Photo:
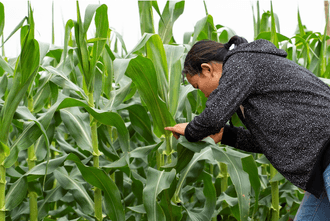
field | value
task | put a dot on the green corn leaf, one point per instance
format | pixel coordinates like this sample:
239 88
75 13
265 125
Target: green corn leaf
258 18
157 181
156 53
143 74
173 55
98 178
155 6
204 29
30 21
105 117
120 66
239 177
82 50
24 35
195 146
25 73
108 71
20 25
41 149
3 85
143 152
97 85
277 177
4 151
68 26
184 157
5 66
40 98
306 50
187 37
138 209
17 193
274 39
255 22
192 171
105 144
32 131
205 7
172 211
52 195
66 147
140 122
102 27
2 18
226 34
249 165
141 44
60 79
146 17
137 188
81 196
77 124
120 38
118 96
184 91
323 59
23 113
171 12
120 163
268 36
277 23
300 25
210 195
265 24
45 168
89 14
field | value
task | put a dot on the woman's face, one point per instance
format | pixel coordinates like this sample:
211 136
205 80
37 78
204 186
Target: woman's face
208 80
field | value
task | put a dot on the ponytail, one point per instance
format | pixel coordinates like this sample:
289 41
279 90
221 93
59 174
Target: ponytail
236 40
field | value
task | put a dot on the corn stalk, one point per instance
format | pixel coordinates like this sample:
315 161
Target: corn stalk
24 74
88 66
31 152
31 163
273 171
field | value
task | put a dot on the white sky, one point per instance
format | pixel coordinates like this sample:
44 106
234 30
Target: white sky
124 17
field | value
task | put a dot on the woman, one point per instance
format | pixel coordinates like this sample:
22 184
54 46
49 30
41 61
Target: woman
285 108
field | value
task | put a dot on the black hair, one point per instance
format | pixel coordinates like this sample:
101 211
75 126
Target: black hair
205 51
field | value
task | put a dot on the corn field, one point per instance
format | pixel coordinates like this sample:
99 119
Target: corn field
82 126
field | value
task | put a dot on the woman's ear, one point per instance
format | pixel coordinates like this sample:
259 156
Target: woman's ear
206 69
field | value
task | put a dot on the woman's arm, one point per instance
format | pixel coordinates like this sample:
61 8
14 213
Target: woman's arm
235 85
240 138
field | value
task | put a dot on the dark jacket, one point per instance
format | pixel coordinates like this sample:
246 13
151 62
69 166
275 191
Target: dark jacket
286 112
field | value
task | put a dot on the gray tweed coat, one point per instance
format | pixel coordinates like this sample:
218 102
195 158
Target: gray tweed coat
286 112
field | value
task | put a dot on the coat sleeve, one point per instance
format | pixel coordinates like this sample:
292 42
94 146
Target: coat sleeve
235 85
240 138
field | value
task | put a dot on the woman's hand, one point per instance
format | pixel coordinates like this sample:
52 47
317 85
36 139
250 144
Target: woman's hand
218 136
177 130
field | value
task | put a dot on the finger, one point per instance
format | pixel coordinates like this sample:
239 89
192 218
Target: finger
174 130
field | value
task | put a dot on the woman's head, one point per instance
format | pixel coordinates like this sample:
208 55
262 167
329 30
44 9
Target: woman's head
205 59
